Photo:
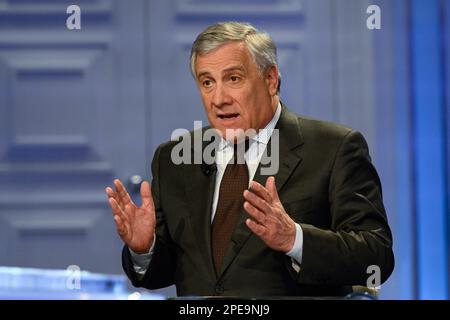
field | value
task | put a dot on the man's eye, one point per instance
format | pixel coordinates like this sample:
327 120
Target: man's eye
234 78
207 83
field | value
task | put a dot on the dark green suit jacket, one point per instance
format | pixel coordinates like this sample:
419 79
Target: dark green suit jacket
326 183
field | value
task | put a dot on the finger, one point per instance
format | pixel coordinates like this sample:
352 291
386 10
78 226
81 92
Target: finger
272 188
146 195
256 214
114 195
258 202
110 193
124 197
258 189
120 226
116 210
117 196
256 228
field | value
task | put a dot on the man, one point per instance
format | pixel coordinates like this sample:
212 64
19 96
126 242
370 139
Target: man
313 228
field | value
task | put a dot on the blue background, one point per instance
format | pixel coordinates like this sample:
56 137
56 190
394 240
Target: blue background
78 108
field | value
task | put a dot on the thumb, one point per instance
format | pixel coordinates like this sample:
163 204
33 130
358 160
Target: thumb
272 188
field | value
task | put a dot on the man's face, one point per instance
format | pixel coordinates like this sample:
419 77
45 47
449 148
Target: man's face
234 93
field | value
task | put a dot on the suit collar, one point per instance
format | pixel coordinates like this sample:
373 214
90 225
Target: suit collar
290 131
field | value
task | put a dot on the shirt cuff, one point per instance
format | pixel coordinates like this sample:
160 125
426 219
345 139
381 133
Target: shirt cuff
297 250
142 261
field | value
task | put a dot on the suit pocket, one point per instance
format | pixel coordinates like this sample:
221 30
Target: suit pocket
299 210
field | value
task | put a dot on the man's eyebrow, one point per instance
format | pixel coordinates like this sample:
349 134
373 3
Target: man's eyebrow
227 70
203 73
234 68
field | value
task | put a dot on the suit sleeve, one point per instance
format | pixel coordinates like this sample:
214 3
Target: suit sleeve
161 270
359 235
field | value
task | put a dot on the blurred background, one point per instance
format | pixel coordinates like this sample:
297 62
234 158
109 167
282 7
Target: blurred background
81 107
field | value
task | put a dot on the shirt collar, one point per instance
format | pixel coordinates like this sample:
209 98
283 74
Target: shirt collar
264 134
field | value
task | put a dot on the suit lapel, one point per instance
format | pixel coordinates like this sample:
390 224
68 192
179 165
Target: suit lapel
290 140
199 187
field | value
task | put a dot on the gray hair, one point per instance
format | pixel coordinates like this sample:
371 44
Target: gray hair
259 44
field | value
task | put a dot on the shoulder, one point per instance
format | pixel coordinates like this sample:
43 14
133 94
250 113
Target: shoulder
323 129
311 126
333 133
325 134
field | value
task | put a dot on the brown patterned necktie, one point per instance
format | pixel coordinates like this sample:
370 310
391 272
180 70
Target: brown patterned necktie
234 182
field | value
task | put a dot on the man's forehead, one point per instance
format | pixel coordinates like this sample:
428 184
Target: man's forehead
223 59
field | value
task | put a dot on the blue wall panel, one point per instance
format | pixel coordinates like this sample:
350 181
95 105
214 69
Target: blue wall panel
430 162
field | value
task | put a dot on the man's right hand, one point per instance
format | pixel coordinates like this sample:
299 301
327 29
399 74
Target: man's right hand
135 225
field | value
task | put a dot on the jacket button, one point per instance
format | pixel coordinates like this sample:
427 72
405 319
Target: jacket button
219 289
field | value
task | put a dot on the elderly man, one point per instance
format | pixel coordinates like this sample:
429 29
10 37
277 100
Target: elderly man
312 228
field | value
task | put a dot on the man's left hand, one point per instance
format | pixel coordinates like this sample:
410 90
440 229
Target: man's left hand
269 220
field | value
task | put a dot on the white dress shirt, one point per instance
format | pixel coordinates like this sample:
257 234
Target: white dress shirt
224 154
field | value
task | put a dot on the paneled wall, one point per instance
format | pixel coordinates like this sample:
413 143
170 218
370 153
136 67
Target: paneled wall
72 118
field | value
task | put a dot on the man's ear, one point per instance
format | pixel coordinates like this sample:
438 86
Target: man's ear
272 79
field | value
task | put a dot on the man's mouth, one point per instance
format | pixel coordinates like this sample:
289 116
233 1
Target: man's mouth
228 116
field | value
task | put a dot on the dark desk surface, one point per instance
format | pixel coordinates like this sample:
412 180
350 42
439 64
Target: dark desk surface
352 296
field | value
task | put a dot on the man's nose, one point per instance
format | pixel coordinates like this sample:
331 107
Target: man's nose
221 96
